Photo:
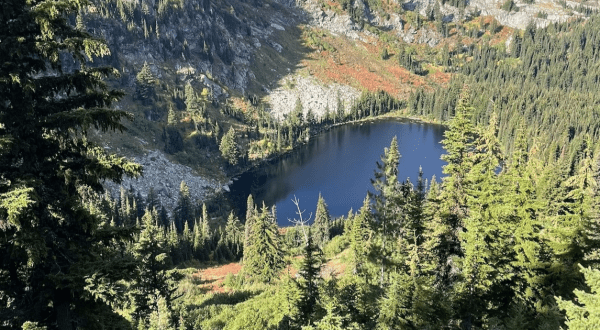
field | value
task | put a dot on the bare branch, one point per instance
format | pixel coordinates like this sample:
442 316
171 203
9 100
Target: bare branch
302 223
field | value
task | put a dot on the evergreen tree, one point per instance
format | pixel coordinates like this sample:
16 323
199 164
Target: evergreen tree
251 213
153 278
458 143
340 109
234 235
145 84
487 240
297 116
152 202
569 231
172 116
585 313
530 260
183 210
309 280
387 203
205 222
415 209
322 223
359 238
161 317
407 302
263 258
186 242
229 147
51 245
198 241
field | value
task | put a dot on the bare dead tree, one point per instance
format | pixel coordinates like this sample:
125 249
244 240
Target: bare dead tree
301 222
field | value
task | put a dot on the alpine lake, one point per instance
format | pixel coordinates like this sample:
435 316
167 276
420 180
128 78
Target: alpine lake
339 164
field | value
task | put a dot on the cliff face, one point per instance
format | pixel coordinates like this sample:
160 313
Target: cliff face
187 37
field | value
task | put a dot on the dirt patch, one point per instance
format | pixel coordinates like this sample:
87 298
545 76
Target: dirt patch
501 36
213 277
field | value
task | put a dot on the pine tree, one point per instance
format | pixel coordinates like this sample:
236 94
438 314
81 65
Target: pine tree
340 109
205 222
530 260
229 147
263 258
309 280
183 210
359 238
172 116
585 313
145 84
569 230
488 237
234 235
153 278
387 203
50 242
161 317
322 223
458 143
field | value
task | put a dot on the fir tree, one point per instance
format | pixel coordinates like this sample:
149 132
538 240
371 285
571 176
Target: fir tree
458 143
161 317
183 210
359 238
145 84
566 227
229 147
487 239
153 279
322 223
205 222
387 202
50 242
585 313
530 259
198 241
309 280
263 258
172 116
249 223
234 235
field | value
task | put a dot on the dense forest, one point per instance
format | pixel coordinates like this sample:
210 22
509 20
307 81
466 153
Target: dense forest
509 239
543 83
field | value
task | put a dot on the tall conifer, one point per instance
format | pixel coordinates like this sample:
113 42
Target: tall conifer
322 223
51 245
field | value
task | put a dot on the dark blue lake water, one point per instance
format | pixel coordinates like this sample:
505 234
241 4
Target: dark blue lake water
339 164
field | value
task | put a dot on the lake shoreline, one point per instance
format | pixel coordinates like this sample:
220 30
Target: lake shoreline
399 115
329 160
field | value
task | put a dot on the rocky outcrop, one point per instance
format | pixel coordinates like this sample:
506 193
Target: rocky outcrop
337 24
311 93
165 178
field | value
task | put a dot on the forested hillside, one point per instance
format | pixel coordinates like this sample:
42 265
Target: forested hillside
544 83
509 238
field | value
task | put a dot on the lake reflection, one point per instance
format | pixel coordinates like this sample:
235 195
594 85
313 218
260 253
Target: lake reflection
339 164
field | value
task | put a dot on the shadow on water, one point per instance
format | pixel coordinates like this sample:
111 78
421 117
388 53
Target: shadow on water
339 165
